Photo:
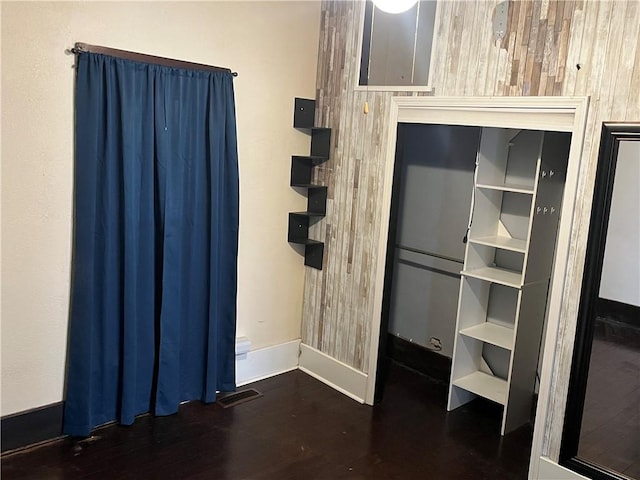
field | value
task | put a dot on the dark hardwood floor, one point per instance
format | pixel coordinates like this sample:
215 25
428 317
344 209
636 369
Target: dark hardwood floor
610 433
299 430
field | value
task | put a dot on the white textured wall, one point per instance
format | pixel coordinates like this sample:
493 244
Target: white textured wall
620 279
273 46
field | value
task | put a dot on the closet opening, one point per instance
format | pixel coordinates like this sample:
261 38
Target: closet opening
472 237
432 187
499 117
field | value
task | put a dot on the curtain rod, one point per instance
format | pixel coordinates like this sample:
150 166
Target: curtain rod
142 57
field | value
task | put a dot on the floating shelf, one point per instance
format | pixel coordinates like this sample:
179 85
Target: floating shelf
485 385
302 177
491 333
306 241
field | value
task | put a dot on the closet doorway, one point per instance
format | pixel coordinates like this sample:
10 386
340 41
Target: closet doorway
548 114
432 191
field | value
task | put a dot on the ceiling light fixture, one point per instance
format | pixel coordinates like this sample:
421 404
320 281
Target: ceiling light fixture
394 6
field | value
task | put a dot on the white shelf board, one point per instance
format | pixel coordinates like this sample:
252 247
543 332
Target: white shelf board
526 189
508 278
486 386
491 333
505 243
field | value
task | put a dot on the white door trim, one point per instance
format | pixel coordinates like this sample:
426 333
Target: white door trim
541 113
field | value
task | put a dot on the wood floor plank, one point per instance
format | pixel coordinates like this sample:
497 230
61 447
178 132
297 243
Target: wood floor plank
299 429
611 419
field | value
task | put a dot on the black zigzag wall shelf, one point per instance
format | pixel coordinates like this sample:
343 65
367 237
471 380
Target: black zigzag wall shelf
301 177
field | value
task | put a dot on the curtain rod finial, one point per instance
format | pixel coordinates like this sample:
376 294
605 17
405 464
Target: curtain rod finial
76 49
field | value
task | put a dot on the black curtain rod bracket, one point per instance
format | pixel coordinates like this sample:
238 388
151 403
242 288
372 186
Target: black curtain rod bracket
80 47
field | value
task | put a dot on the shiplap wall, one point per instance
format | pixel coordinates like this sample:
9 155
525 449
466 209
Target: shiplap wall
545 42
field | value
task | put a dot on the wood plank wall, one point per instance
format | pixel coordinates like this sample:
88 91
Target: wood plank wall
337 301
604 40
545 42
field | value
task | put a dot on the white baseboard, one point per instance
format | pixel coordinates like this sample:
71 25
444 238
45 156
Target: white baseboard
267 362
334 373
549 470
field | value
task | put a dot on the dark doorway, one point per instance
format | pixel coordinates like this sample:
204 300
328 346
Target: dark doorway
432 187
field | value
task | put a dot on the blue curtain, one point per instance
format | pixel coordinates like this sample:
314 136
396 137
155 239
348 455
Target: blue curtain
153 302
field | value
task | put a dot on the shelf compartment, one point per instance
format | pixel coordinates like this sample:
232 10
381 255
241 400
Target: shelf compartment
299 223
480 256
501 214
303 119
491 333
501 276
298 233
485 385
502 242
317 200
304 113
302 169
313 254
482 302
509 159
320 142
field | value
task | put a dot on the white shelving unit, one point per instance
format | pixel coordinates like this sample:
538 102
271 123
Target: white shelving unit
507 267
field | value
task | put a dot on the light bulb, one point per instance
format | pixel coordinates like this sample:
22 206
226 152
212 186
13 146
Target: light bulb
394 6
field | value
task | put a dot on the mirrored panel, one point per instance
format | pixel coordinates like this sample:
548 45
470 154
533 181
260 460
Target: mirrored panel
601 437
397 47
